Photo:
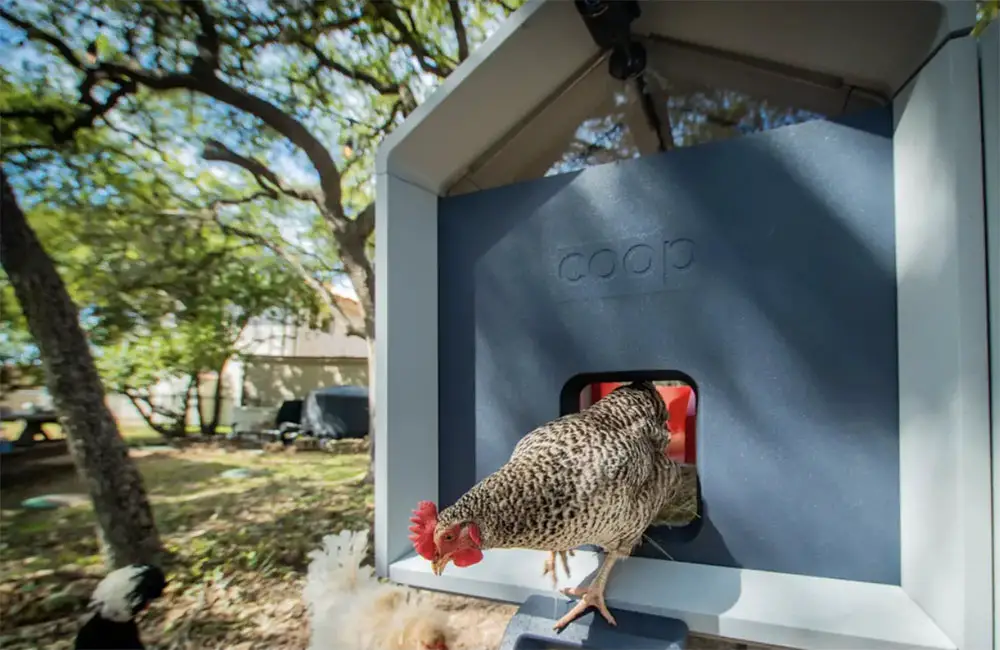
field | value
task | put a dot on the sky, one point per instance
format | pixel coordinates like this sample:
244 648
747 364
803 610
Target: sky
25 62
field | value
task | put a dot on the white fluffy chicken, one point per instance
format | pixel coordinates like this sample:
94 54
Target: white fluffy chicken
349 607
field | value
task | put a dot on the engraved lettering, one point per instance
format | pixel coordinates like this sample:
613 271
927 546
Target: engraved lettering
638 259
636 265
680 253
602 263
571 268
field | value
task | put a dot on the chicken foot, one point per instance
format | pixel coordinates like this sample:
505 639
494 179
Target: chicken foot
590 596
550 565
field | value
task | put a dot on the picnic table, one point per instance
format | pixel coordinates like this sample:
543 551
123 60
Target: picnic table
33 421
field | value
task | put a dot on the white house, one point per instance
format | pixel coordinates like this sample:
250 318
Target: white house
278 361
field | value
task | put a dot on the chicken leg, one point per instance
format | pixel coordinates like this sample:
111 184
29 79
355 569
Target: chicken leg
550 565
591 596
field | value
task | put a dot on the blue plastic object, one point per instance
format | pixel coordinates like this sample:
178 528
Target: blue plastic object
41 503
531 629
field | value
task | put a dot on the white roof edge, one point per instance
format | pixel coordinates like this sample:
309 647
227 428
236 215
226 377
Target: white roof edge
475 106
957 16
397 138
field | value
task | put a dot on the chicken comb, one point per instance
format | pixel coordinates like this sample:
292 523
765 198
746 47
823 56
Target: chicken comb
424 522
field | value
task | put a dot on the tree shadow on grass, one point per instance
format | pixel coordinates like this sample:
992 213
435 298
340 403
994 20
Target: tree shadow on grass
171 475
265 521
270 528
251 534
163 474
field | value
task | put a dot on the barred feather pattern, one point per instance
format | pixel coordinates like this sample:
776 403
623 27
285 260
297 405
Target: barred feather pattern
598 477
348 607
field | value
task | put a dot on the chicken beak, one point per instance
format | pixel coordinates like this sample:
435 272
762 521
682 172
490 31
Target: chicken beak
438 565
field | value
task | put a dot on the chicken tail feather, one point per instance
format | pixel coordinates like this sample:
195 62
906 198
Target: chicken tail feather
336 585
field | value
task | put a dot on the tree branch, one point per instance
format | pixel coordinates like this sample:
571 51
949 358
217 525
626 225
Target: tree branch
460 34
149 411
286 34
292 129
96 110
92 77
103 70
208 39
117 128
381 87
38 34
283 251
353 329
390 13
170 81
215 151
393 111
364 224
243 200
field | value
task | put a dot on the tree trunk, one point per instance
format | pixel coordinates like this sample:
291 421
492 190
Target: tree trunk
370 476
213 425
126 529
145 408
362 275
180 422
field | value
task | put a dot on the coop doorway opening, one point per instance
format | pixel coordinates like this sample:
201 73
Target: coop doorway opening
680 519
677 389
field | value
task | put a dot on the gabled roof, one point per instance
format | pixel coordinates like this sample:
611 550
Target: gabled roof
504 101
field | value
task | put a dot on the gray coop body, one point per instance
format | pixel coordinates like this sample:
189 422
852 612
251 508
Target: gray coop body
828 288
779 302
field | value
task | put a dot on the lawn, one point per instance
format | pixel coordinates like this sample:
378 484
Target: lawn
238 548
135 435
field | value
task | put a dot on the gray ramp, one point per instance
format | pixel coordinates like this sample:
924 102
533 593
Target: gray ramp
531 629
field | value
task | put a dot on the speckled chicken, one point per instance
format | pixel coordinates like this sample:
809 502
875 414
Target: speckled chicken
598 477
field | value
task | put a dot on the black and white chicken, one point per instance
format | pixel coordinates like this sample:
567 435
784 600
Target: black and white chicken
116 601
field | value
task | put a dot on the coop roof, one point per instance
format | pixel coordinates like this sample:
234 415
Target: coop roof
501 116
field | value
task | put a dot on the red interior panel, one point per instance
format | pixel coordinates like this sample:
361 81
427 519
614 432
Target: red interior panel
681 405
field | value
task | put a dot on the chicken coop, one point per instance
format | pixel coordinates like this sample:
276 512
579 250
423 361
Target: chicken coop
788 207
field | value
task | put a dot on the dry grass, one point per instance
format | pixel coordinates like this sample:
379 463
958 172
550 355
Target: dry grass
238 554
682 506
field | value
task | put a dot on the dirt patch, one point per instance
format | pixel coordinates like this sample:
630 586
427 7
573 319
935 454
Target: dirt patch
480 625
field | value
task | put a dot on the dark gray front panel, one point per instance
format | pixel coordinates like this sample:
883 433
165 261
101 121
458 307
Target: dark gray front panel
764 268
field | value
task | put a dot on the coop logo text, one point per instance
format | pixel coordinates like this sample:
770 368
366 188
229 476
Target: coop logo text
636 260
